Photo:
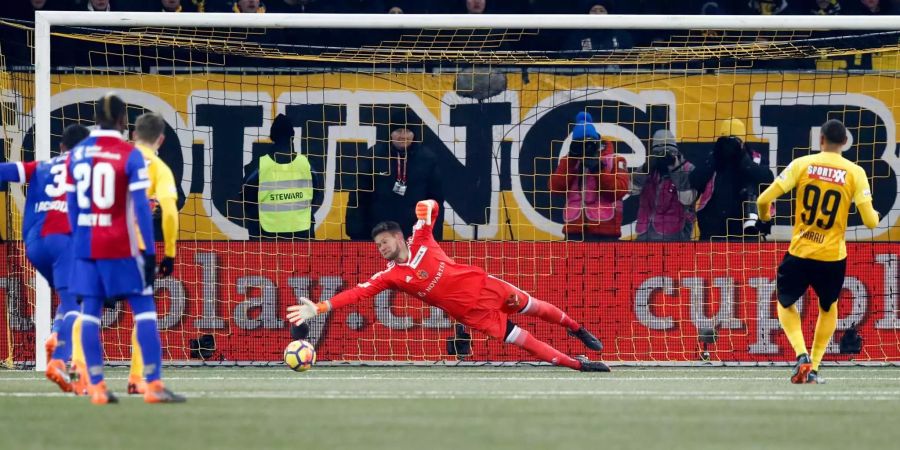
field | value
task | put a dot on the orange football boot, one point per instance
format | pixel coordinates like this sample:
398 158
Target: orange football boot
157 393
57 373
102 396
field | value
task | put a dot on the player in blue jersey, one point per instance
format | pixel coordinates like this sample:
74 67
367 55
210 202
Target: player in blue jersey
107 183
46 233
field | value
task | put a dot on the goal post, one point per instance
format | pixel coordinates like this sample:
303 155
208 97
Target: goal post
518 236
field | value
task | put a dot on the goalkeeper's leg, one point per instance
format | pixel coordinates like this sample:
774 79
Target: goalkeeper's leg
546 353
520 302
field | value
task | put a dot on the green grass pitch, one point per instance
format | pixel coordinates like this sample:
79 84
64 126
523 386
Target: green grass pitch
466 408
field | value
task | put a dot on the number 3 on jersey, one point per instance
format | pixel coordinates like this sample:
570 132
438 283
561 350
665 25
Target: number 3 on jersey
815 202
58 187
101 180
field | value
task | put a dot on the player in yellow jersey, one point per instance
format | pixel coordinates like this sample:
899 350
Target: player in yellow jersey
148 137
826 183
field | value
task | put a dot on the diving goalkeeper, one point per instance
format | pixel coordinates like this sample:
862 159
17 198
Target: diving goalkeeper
420 268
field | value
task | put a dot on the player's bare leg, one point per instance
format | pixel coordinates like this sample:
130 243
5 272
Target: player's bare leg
547 353
551 314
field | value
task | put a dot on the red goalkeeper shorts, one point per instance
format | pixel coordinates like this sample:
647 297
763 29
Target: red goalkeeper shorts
496 301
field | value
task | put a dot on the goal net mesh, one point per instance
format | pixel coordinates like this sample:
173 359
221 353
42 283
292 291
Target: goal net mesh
491 113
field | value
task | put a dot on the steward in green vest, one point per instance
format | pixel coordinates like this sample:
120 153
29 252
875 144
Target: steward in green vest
285 195
281 191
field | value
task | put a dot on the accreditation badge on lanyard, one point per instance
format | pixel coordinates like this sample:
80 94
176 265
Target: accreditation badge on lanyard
400 184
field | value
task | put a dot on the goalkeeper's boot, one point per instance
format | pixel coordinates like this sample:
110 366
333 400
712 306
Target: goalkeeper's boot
814 378
102 396
801 369
80 379
591 366
136 385
50 345
588 339
157 393
57 373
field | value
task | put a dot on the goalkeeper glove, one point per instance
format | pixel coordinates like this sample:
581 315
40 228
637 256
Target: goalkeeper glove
424 209
306 310
167 266
149 268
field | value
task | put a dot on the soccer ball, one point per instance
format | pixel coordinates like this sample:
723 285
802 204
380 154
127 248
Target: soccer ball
300 355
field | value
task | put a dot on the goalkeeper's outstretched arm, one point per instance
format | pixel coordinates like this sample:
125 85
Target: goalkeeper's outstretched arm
306 310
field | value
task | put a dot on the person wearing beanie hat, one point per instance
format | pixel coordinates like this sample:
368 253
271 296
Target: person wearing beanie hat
729 181
666 205
594 181
281 191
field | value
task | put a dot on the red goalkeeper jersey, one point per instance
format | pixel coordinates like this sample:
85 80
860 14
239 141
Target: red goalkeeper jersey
429 274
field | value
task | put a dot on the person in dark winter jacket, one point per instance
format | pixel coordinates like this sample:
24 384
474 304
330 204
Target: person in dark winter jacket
666 204
729 181
400 173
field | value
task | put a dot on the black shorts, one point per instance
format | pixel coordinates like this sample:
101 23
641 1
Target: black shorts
795 275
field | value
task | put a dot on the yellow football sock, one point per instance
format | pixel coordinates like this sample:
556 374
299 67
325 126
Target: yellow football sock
790 322
77 350
137 362
825 326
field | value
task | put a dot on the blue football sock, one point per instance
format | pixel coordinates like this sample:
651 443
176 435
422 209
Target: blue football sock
90 337
69 309
144 310
57 319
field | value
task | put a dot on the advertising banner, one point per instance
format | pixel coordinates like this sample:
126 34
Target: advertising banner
647 302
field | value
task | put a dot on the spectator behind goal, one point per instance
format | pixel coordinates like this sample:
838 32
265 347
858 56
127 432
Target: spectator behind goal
399 174
594 181
666 204
729 180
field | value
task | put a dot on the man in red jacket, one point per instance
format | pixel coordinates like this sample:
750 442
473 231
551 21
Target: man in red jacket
594 180
466 293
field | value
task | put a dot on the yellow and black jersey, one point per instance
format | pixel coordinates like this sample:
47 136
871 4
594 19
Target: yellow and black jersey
826 183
